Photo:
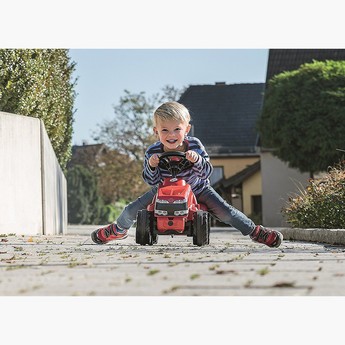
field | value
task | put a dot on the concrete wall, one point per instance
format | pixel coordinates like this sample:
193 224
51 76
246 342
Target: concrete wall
278 183
54 196
33 192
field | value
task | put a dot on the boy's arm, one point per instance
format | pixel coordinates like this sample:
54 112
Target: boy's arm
150 175
202 167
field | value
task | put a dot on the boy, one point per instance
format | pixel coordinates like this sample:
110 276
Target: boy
171 126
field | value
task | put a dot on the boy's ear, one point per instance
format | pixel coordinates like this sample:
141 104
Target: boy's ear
155 130
188 128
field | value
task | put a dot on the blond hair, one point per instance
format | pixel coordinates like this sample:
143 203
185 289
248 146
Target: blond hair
171 111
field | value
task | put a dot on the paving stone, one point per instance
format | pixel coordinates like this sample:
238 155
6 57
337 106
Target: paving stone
232 265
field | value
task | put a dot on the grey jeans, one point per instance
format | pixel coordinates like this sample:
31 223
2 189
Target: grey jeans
215 204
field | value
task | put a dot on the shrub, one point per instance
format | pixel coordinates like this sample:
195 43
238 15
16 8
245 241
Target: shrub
321 204
110 212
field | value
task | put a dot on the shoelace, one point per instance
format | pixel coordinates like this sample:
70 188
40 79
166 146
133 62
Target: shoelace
263 234
108 230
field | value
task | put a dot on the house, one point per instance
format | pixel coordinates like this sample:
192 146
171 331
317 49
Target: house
278 180
87 154
280 60
224 118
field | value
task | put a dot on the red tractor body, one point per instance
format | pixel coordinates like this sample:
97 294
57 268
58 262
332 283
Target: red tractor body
173 206
174 211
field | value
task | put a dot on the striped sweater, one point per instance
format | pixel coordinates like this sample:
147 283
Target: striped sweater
197 176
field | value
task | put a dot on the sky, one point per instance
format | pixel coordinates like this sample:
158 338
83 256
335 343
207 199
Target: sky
103 75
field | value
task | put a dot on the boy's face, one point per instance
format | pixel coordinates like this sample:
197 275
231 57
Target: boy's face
171 133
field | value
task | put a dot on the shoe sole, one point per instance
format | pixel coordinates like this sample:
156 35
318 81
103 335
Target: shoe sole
95 238
280 236
121 238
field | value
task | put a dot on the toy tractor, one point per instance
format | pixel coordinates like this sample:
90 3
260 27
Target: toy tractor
174 209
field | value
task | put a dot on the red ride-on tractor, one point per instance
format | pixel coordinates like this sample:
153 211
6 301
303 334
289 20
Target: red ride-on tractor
174 209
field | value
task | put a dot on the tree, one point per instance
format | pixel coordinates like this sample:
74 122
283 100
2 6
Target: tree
128 135
119 177
102 179
303 115
130 131
84 203
38 83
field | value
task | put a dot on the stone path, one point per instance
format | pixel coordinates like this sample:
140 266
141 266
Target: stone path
232 265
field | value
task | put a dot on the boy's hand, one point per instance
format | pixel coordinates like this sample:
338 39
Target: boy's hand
192 156
154 160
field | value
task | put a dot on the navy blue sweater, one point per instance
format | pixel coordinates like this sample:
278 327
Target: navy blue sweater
197 176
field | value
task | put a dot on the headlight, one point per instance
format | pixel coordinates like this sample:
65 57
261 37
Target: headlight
161 213
162 201
181 213
180 201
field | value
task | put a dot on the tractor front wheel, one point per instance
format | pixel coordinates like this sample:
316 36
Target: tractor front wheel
143 233
201 228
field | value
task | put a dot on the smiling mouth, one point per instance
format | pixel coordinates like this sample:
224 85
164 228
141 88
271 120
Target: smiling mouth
172 141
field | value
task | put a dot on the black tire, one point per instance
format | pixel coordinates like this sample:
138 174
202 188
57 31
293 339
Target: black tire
201 228
154 230
209 227
143 233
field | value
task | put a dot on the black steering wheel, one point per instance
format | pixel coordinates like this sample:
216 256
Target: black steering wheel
174 166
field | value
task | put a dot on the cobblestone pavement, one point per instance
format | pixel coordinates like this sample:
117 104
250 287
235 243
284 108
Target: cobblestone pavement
232 265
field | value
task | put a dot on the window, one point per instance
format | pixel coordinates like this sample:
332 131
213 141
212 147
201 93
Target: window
256 204
217 175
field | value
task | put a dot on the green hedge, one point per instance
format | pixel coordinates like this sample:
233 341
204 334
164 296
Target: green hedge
302 118
38 83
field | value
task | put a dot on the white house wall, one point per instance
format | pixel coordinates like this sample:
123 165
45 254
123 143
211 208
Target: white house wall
278 183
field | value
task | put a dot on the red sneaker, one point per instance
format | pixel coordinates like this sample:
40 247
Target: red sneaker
271 238
108 233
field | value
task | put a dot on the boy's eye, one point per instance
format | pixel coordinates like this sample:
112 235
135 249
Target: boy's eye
176 129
